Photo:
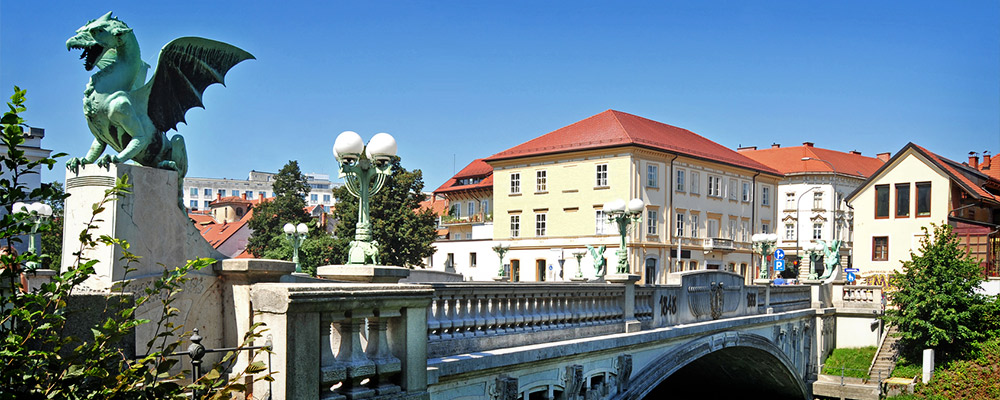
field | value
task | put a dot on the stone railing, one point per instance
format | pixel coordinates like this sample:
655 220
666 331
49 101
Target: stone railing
467 317
321 347
789 297
857 296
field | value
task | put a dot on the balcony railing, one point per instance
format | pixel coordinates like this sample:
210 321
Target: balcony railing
719 244
448 220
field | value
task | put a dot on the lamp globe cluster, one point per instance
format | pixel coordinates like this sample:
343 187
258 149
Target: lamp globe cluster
41 209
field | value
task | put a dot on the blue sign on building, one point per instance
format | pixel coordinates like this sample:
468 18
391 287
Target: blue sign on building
779 265
779 254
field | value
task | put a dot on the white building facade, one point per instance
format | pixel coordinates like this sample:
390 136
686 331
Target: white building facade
199 192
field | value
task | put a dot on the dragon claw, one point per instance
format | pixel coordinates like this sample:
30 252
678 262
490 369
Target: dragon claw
73 164
106 160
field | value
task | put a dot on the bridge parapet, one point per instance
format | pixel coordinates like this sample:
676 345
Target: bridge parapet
857 296
314 319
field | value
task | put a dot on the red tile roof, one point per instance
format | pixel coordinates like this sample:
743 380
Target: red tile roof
992 168
476 169
788 160
953 169
437 206
615 128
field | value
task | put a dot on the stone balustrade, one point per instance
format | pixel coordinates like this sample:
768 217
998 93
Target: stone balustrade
857 296
324 355
475 316
789 297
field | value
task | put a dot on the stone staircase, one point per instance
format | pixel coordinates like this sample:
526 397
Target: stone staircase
885 358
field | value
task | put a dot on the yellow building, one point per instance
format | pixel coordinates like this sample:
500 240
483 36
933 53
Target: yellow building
912 190
703 200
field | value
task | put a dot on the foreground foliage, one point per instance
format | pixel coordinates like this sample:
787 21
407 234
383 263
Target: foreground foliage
39 358
936 298
975 378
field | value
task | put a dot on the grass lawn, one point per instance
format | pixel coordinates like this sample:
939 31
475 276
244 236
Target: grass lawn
853 362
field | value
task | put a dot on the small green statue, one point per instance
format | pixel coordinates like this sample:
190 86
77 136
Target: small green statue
831 258
599 261
131 115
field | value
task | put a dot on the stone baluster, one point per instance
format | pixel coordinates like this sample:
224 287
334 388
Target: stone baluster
331 372
462 322
481 313
433 320
536 303
351 356
502 312
387 366
517 311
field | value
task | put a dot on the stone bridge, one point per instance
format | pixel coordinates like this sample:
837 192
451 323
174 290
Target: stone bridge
711 334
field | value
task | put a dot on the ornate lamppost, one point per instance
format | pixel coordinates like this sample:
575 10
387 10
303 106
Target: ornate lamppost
579 265
296 234
364 169
762 244
38 213
623 215
812 249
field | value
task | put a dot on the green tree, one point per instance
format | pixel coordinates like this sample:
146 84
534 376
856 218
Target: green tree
935 297
52 238
404 234
288 206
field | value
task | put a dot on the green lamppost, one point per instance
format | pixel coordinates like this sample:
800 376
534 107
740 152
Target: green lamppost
762 244
296 234
38 213
364 169
812 249
579 266
623 215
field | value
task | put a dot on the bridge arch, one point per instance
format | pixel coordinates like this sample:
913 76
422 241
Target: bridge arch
726 361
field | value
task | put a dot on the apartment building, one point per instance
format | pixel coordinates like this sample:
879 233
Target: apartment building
811 196
199 192
703 201
915 188
466 248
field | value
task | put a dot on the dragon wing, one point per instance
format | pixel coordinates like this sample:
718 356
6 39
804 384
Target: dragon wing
186 67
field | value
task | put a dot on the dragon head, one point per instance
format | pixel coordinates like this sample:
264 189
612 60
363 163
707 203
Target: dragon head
98 39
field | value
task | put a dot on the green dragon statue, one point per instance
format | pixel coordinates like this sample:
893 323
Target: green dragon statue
131 115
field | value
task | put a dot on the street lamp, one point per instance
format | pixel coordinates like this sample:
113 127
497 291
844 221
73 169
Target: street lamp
296 234
623 214
579 266
364 169
798 224
38 213
813 248
763 243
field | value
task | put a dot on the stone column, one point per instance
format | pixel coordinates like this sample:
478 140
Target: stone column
631 323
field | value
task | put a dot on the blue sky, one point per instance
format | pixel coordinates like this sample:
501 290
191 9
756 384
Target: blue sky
455 81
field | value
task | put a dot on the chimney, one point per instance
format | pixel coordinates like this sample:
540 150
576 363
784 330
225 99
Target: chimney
974 160
855 152
244 195
218 195
986 161
883 156
808 144
775 146
746 148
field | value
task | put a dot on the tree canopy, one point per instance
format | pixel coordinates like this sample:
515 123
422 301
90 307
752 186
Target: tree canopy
935 297
288 206
404 233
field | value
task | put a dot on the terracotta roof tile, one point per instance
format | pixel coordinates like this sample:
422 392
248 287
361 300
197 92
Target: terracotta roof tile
476 169
615 128
953 169
437 206
788 160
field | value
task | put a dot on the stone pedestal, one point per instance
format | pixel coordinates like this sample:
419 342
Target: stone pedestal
820 293
363 273
631 323
148 218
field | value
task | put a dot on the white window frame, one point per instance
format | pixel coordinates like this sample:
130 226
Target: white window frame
471 208
540 224
602 224
652 221
695 182
714 186
601 175
694 226
194 192
515 226
713 228
515 183
541 181
765 195
790 201
765 228
790 231
733 187
817 231
679 181
732 229
679 224
652 175
746 191
817 200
